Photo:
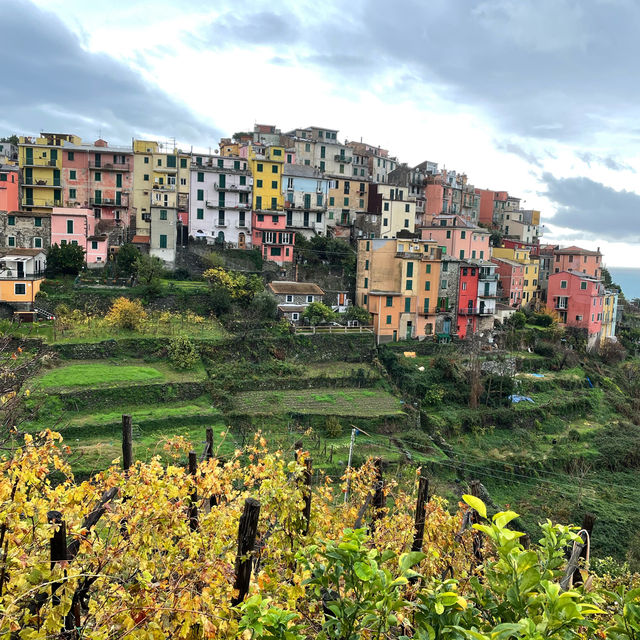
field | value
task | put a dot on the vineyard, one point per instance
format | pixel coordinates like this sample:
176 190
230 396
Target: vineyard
243 544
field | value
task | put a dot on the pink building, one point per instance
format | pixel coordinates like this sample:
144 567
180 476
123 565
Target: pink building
576 259
578 299
99 177
270 235
71 225
511 280
458 237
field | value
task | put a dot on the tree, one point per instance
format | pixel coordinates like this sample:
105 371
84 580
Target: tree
126 314
317 312
237 285
358 313
518 320
65 260
264 306
495 240
12 139
182 353
148 269
126 258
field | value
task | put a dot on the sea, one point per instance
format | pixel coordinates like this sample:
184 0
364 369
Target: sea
628 278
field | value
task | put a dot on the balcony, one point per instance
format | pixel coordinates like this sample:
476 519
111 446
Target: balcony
110 166
40 162
468 311
212 204
165 169
34 202
490 277
12 274
426 312
30 182
109 202
164 187
345 159
232 187
486 311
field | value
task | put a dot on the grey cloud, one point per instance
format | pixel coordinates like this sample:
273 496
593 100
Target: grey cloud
590 206
52 83
608 161
517 150
532 66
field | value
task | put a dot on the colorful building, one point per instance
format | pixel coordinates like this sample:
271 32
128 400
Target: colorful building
40 159
347 198
397 282
21 274
72 225
579 301
268 222
306 195
220 200
522 254
576 259
511 280
394 208
9 187
8 153
99 177
458 237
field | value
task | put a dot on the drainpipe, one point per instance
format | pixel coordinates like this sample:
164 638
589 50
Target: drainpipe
378 333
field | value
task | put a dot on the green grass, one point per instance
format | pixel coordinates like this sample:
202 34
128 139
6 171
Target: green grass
347 402
86 375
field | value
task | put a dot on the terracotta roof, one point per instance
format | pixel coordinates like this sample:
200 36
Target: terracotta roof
573 250
141 239
300 288
291 308
30 214
16 251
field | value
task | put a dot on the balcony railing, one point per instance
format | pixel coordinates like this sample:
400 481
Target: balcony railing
232 187
40 162
110 166
426 312
164 187
109 202
468 311
30 182
489 277
12 274
486 311
345 159
34 202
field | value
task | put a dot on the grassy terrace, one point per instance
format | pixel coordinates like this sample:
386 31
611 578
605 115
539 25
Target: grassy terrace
344 402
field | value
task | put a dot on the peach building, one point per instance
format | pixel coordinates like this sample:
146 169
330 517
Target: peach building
577 259
458 238
9 188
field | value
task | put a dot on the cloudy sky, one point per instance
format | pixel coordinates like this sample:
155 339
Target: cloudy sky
537 97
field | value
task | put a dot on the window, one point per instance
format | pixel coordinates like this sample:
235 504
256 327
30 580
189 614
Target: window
366 283
388 319
332 201
259 184
409 285
563 284
385 222
200 214
37 243
346 202
464 286
463 235
11 241
274 168
318 199
389 301
409 269
159 162
386 206
37 222
322 165
163 214
221 218
72 194
274 184
259 167
579 318
146 160
69 226
276 251
20 288
583 285
364 299
427 286
443 284
295 316
72 174
307 147
341 168
289 298
94 245
163 241
260 217
183 163
200 176
406 223
274 203
70 155
146 177
11 220
406 208
461 254
97 176
448 234
426 307
309 298
200 195
289 158
407 305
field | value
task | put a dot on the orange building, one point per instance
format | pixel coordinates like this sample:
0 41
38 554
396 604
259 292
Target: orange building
397 282
9 188
21 274
576 259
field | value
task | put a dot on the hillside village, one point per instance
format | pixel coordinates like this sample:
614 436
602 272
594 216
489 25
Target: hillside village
437 257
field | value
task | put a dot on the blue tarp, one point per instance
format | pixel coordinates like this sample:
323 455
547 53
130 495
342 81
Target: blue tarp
516 398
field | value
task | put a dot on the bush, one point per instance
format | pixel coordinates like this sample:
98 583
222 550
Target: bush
126 314
518 320
333 427
220 301
126 258
545 350
318 312
182 353
541 320
612 352
66 260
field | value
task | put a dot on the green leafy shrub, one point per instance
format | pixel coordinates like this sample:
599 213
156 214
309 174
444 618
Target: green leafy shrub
333 427
182 353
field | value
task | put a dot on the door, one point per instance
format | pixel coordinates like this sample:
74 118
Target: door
20 269
241 241
409 330
446 326
222 181
56 177
395 336
29 156
486 288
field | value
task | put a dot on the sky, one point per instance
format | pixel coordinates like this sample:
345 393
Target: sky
535 97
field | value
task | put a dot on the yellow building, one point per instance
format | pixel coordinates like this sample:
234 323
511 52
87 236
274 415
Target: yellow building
397 282
265 164
160 183
40 159
609 315
531 279
347 197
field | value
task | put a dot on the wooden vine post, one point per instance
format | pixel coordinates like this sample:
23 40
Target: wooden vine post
378 491
306 510
58 553
193 497
421 508
587 525
247 532
127 442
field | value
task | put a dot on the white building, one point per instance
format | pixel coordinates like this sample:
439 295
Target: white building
220 202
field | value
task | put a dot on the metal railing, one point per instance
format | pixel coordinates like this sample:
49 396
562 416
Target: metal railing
468 311
12 274
332 329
